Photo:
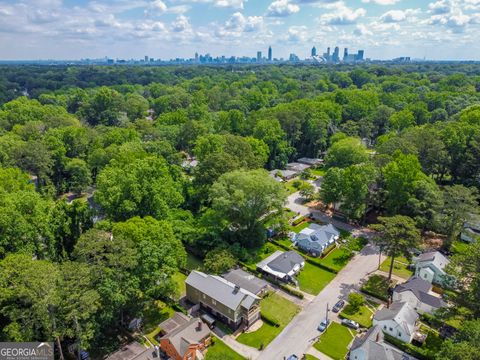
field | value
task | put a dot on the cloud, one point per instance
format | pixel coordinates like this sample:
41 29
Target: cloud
362 30
238 24
281 8
180 24
440 7
236 4
381 2
341 14
394 16
297 34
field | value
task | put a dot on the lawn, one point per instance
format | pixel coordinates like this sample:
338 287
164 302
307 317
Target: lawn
363 316
194 262
337 259
179 278
334 342
290 185
310 357
318 172
460 247
400 267
313 279
218 350
276 308
300 226
377 286
355 243
259 254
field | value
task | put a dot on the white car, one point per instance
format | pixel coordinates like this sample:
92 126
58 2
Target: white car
350 323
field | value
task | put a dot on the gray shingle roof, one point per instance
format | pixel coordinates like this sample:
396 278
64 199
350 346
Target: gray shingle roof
283 262
245 280
192 332
376 349
221 290
316 237
420 288
435 257
401 313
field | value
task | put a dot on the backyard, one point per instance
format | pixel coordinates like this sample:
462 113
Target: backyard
277 309
334 342
218 350
337 259
400 267
153 314
313 279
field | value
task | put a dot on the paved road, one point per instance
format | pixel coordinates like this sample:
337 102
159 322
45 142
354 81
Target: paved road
301 333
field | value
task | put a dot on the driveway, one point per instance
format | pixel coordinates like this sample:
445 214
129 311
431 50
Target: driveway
301 333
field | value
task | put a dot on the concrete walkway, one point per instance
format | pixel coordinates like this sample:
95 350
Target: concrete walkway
319 355
244 350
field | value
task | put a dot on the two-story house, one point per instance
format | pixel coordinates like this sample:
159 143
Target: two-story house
417 292
228 302
316 238
430 266
398 321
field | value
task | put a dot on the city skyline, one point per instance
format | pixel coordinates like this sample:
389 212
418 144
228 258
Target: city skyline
386 29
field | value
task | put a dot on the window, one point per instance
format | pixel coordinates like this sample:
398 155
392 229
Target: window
214 302
384 327
399 334
391 329
204 296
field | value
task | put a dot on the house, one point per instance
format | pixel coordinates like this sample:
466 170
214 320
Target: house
417 293
283 175
247 281
316 238
398 321
371 346
187 341
471 229
430 266
130 351
223 299
310 161
297 167
282 265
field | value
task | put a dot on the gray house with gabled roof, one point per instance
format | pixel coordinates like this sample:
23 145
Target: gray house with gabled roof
316 238
371 346
417 292
399 321
247 281
282 265
226 301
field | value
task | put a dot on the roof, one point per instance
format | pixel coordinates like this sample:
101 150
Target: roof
376 349
317 237
221 290
434 257
169 325
245 280
282 262
296 166
310 161
192 332
420 288
401 313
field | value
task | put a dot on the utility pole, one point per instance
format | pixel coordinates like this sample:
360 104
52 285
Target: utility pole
326 315
77 329
54 327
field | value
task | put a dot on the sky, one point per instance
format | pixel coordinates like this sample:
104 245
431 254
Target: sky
74 29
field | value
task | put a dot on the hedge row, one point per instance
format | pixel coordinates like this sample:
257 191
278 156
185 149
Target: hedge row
269 320
371 293
413 350
291 291
299 220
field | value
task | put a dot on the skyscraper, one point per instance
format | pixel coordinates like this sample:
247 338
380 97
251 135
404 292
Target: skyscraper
359 56
314 51
336 55
270 54
259 56
345 54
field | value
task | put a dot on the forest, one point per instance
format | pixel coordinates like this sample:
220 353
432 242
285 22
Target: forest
91 154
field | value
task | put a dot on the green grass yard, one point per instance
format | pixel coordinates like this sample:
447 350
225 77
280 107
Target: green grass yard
194 262
337 259
153 314
219 350
363 316
334 342
179 279
274 307
400 267
300 226
313 279
318 172
377 286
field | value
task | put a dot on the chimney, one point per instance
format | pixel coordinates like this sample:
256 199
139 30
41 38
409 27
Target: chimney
377 339
199 326
236 289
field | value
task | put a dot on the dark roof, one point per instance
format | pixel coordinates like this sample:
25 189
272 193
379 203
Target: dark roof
420 289
192 332
177 320
285 261
245 280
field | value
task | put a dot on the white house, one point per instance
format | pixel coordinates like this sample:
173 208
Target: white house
398 321
430 266
371 346
471 229
316 238
282 265
417 293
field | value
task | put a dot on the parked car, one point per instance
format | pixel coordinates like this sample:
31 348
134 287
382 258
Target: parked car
350 323
292 357
323 325
338 306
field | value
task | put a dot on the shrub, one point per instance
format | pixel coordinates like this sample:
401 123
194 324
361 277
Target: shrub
292 291
269 320
299 220
219 260
356 300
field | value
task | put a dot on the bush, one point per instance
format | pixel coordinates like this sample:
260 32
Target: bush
299 220
292 291
328 250
356 300
269 320
413 350
219 260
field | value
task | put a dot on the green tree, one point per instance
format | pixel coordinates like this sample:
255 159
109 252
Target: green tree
140 187
465 345
78 175
346 152
459 204
396 235
307 190
355 301
243 200
219 261
332 186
